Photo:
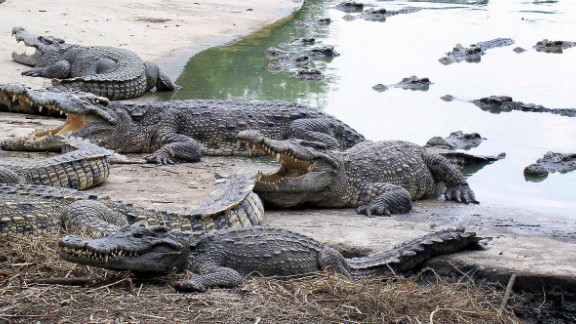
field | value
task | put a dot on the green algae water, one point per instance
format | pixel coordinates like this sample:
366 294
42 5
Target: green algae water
386 51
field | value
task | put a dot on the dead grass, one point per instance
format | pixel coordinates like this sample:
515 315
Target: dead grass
36 287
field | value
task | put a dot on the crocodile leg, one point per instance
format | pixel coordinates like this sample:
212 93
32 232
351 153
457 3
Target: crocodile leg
442 170
314 130
384 199
58 70
212 277
9 176
176 148
328 258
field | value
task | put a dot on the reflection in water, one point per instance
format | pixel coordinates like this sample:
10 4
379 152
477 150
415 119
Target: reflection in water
376 52
239 71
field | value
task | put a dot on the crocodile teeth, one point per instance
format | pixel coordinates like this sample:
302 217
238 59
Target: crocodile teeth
106 258
277 157
40 108
238 144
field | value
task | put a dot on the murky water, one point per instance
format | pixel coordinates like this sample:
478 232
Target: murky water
374 52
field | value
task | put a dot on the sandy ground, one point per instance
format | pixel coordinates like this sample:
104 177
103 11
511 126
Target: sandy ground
538 248
163 31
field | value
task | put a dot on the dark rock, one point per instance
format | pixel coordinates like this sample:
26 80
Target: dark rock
380 87
519 50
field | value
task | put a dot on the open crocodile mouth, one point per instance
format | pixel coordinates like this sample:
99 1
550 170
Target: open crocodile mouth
291 168
73 124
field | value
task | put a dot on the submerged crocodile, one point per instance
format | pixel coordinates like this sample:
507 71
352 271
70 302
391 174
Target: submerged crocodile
473 53
456 140
548 46
551 162
36 209
175 131
380 14
223 258
110 72
409 83
379 178
498 104
84 167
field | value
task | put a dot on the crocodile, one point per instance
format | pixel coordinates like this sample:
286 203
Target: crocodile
110 72
551 162
37 209
81 166
409 83
498 104
547 46
350 6
380 14
285 60
224 257
456 140
175 131
473 53
378 178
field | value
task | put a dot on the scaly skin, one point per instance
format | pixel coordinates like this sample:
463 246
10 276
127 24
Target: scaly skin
379 178
106 71
176 131
34 210
85 167
223 258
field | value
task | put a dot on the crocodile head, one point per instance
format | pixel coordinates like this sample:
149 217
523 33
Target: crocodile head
307 173
48 49
139 247
81 109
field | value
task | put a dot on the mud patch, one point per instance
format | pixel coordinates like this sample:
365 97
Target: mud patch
153 20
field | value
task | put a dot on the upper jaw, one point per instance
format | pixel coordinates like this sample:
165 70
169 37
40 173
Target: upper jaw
96 252
62 102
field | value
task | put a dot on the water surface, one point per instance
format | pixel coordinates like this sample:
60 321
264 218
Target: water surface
384 52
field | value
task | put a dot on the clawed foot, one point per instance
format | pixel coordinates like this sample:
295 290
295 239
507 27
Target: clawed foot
462 194
159 158
32 73
385 206
189 285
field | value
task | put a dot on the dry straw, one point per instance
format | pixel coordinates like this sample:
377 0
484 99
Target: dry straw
36 286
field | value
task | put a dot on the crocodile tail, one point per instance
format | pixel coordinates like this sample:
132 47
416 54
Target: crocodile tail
412 254
100 85
156 78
